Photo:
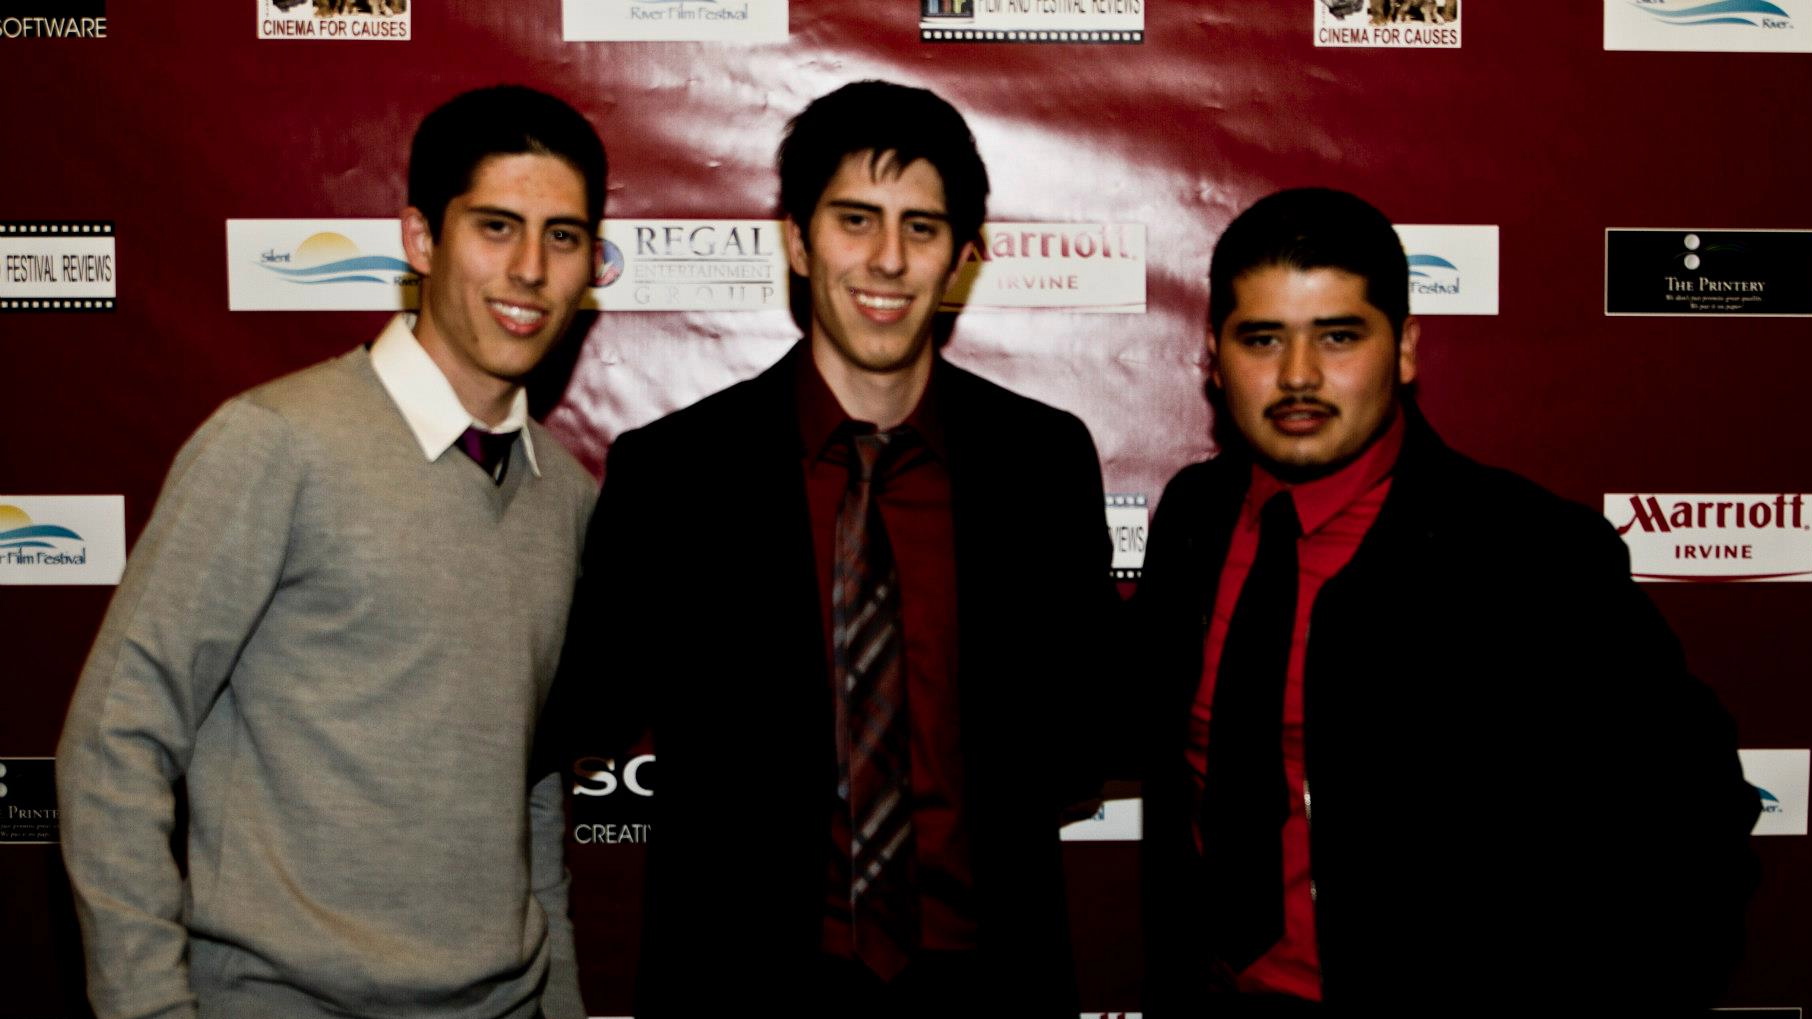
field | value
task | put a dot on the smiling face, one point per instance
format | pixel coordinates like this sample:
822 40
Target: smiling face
879 255
1309 368
500 286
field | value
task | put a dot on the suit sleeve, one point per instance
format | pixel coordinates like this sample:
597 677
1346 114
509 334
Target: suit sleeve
1092 631
193 592
598 706
1686 885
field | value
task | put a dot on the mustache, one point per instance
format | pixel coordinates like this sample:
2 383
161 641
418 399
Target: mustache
1293 403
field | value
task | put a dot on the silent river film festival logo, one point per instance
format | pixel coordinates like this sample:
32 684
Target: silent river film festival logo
1752 13
329 257
24 542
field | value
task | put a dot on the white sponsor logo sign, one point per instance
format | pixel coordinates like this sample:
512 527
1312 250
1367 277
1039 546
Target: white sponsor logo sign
1115 821
1781 778
1395 24
1714 537
1063 21
741 21
318 265
62 539
1074 266
344 20
648 265
1127 520
692 265
56 266
1452 269
1729 26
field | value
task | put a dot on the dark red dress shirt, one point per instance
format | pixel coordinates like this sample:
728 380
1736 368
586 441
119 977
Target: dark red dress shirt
914 497
1336 512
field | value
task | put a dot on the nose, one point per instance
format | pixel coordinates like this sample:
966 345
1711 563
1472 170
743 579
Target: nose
1299 369
528 265
888 258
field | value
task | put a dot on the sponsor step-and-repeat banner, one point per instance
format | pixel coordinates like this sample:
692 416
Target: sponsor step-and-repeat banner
1608 235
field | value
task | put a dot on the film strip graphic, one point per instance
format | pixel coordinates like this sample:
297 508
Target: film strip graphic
57 265
1127 520
1032 35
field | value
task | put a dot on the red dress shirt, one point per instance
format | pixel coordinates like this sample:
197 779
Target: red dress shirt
1336 512
914 498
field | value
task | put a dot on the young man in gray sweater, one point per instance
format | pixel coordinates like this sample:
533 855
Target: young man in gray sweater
337 632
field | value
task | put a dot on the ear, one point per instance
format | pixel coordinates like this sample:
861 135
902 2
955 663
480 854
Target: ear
418 240
963 254
1406 350
1214 360
798 252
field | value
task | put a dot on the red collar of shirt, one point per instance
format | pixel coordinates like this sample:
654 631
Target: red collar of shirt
820 415
1321 500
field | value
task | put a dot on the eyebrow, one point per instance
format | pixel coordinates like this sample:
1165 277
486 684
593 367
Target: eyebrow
854 206
497 212
1271 326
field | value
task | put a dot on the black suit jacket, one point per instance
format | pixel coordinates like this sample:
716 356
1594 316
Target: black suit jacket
1521 801
698 618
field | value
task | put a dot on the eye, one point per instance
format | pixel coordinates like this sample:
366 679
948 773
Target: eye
565 238
1258 341
496 227
924 229
853 220
1343 337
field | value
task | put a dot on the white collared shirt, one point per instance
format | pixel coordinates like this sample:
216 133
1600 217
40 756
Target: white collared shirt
426 398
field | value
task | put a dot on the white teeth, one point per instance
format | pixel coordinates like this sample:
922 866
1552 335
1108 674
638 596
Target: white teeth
520 315
880 303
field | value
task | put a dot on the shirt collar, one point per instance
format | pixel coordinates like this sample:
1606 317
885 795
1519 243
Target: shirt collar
820 415
1320 501
426 398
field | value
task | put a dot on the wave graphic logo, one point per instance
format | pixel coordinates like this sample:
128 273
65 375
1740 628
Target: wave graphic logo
329 257
18 532
1771 804
1432 274
1752 13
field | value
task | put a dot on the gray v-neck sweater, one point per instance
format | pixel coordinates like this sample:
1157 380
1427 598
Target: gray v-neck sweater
342 649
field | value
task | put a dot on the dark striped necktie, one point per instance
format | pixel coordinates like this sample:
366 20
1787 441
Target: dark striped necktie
874 737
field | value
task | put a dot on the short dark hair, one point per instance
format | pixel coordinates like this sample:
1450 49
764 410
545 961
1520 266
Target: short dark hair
882 117
503 120
1312 228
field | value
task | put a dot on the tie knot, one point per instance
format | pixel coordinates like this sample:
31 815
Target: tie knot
1279 517
872 453
488 450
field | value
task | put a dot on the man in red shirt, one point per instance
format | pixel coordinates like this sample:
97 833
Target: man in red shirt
860 643
1392 688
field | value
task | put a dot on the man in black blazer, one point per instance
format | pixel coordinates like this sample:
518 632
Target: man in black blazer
1419 746
726 635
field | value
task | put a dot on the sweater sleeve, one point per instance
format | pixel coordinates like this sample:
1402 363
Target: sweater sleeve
193 592
548 875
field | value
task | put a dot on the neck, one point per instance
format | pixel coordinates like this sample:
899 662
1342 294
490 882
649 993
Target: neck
487 398
884 398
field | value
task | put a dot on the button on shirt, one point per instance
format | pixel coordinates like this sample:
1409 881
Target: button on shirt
1336 512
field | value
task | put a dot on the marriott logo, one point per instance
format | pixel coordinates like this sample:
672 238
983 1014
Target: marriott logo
1652 515
1714 537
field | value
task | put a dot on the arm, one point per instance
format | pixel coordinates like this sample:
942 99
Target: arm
196 586
547 874
1092 629
1687 882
